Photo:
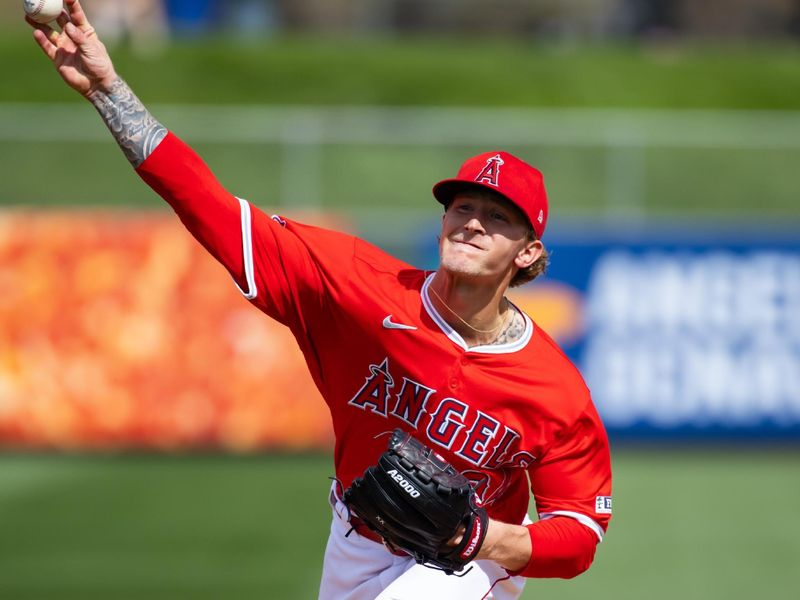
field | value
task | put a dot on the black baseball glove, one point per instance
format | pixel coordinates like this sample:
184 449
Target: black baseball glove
417 502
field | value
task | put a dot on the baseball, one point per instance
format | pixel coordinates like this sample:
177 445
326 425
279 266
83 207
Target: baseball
43 11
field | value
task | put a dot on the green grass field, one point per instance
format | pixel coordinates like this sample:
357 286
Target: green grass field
691 524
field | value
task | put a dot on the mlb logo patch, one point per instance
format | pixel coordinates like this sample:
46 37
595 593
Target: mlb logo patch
602 505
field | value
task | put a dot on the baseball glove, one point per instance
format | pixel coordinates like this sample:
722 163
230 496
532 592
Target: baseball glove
416 501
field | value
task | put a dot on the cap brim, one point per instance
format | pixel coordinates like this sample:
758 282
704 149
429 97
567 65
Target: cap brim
447 188
445 191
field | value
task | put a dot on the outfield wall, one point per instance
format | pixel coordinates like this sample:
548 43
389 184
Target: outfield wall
118 330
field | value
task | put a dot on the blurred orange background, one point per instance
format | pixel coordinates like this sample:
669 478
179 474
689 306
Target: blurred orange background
117 330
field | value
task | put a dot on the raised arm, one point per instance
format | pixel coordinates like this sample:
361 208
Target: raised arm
268 264
208 211
83 63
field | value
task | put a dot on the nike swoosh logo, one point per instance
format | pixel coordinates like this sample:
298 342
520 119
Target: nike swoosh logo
389 324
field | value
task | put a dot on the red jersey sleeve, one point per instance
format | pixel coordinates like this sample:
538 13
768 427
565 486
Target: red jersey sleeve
206 208
572 489
270 264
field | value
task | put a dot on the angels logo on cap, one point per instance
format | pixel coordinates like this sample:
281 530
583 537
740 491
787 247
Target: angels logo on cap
504 173
491 171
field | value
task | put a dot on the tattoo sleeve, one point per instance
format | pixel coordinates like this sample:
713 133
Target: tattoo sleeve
131 124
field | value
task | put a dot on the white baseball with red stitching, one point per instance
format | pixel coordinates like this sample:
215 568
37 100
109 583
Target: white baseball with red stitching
43 11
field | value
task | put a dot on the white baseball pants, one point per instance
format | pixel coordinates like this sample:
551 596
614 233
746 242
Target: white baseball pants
356 568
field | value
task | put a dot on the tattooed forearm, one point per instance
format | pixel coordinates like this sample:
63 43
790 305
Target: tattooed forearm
513 331
132 125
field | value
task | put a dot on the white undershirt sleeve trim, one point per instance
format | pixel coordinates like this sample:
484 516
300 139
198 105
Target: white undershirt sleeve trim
247 251
581 518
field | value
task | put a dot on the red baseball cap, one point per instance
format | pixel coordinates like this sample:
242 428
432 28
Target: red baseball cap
505 174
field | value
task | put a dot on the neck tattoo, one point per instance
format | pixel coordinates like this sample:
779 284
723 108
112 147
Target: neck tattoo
457 316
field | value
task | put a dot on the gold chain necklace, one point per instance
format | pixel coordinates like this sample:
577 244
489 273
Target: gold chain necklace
457 316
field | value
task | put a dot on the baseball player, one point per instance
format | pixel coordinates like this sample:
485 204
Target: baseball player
442 354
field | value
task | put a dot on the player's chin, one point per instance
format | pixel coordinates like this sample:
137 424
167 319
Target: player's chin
462 266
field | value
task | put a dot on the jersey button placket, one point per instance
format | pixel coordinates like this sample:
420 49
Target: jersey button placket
457 372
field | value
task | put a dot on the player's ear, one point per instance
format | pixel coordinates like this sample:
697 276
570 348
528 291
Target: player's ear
528 254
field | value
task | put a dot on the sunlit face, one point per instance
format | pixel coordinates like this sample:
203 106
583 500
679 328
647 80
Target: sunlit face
485 236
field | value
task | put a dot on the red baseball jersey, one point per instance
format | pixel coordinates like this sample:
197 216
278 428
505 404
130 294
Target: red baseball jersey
513 418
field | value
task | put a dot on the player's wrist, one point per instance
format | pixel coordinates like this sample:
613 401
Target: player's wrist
507 545
105 87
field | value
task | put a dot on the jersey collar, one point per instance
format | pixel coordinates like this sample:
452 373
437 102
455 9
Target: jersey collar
456 338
